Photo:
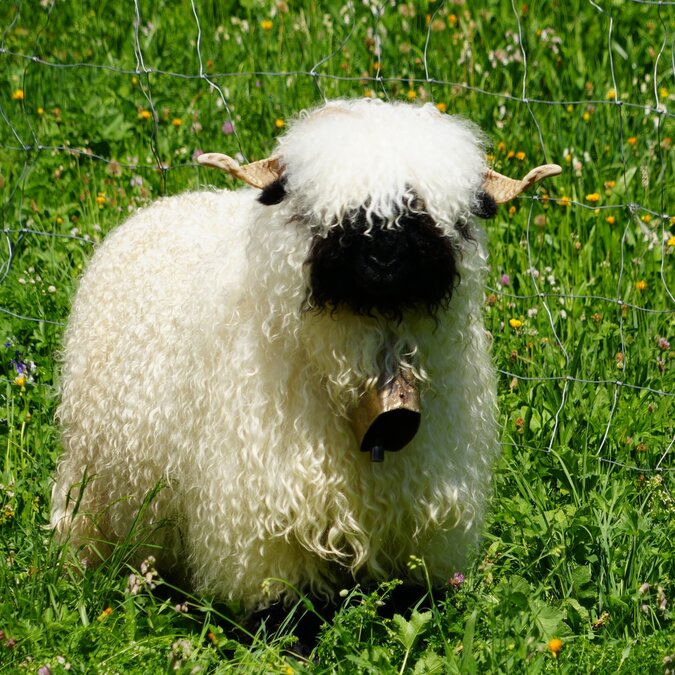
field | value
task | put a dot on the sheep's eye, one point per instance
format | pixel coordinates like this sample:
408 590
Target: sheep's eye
274 192
484 206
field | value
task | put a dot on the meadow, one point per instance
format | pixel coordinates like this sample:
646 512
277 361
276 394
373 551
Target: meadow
105 106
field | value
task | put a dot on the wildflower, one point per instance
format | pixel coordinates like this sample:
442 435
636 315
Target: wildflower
442 107
564 201
594 197
671 242
144 114
456 581
512 210
18 95
515 323
611 95
228 128
520 156
611 220
511 154
266 24
610 184
632 140
101 198
288 671
105 614
586 116
20 381
554 646
279 123
663 344
176 121
412 94
452 19
646 218
663 92
40 111
212 636
505 280
134 80
641 285
44 670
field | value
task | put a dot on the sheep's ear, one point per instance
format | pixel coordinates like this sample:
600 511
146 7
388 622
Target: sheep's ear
503 189
257 174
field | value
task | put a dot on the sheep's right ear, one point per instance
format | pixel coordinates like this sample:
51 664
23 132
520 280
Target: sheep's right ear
257 174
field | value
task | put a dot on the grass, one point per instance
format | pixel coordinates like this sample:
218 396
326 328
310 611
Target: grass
97 118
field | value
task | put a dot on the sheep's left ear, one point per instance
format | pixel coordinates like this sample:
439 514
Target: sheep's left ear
257 174
503 189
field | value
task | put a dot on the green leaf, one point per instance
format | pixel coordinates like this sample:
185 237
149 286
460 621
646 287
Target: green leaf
408 631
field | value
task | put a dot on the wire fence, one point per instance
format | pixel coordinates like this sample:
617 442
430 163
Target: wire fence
645 191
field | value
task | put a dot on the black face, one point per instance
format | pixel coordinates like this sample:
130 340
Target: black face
375 267
368 268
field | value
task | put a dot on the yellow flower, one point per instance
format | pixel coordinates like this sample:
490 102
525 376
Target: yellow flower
176 121
611 94
512 210
632 140
511 154
18 95
279 123
554 646
515 323
101 198
501 146
641 285
105 614
40 111
564 201
570 108
593 197
520 156
663 92
412 94
671 241
646 218
266 24
134 80
586 116
144 114
59 220
20 381
442 107
452 19
611 220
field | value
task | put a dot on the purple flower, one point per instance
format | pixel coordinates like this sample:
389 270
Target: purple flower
227 128
44 670
197 153
663 343
456 581
505 280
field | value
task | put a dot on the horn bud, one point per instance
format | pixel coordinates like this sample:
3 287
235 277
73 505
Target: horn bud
387 415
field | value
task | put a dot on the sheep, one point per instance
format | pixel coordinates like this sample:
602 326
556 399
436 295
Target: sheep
300 365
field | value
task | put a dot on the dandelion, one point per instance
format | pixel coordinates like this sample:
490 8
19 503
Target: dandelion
611 95
452 19
520 156
20 381
632 141
176 121
554 646
412 94
144 114
134 80
512 210
586 116
101 199
564 201
641 285
515 323
663 92
671 242
646 218
18 95
267 24
594 197
40 111
611 220
511 154
279 123
442 107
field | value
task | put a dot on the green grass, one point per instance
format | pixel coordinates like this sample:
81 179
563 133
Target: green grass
579 545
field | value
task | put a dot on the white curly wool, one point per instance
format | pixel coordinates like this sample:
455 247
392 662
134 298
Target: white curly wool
189 362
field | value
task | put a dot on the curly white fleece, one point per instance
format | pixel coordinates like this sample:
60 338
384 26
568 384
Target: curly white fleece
188 361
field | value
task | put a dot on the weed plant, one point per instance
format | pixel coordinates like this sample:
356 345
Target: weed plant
105 106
